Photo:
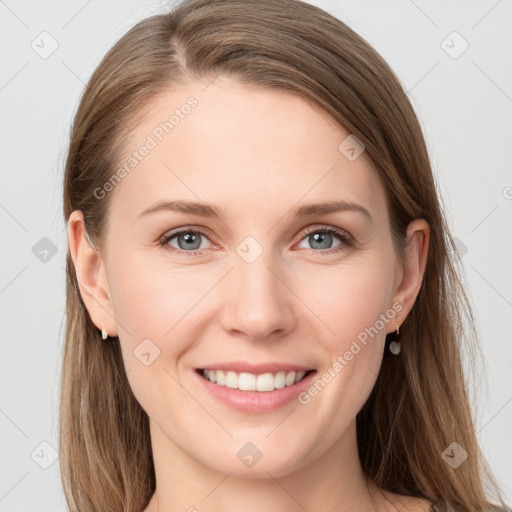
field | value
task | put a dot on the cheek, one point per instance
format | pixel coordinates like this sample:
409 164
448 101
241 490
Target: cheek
154 310
348 298
151 298
355 298
155 299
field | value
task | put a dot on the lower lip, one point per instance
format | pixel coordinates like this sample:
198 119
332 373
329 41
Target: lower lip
256 401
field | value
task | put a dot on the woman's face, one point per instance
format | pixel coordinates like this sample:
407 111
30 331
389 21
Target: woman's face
258 287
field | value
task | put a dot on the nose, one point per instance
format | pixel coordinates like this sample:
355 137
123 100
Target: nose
259 303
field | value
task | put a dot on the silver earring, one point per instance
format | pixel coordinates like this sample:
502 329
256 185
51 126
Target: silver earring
396 346
104 334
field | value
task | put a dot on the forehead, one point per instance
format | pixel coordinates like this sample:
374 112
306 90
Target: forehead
244 148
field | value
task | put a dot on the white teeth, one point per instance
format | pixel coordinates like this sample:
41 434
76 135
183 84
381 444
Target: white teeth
299 375
247 382
265 382
290 378
231 380
220 378
279 380
251 382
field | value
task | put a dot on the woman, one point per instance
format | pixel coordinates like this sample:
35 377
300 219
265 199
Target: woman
264 310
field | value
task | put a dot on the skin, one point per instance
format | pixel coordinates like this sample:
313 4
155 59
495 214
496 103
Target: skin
257 154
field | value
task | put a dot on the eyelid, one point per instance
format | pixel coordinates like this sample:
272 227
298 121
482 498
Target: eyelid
346 238
186 229
327 227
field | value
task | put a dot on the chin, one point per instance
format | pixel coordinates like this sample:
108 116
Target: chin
255 459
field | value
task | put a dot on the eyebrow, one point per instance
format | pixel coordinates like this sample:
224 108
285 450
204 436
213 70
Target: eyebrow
209 210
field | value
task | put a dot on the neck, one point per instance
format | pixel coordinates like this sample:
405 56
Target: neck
332 482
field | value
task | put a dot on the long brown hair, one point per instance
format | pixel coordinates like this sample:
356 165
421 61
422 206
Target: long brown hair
420 402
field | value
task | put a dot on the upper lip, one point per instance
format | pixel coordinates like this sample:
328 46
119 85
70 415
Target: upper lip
257 369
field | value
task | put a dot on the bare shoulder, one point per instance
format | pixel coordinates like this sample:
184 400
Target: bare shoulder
401 503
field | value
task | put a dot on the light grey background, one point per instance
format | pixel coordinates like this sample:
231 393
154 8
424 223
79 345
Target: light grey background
464 104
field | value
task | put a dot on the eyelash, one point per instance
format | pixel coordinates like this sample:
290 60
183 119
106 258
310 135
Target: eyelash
345 238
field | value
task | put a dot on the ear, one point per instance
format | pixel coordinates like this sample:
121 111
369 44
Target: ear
418 236
91 275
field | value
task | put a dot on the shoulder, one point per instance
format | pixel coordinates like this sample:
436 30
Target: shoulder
444 507
412 504
402 503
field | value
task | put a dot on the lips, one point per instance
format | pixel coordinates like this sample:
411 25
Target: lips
257 369
245 381
255 393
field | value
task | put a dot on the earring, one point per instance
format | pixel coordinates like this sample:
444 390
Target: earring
104 334
396 346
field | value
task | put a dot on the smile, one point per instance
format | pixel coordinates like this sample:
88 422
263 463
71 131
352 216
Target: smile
245 381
